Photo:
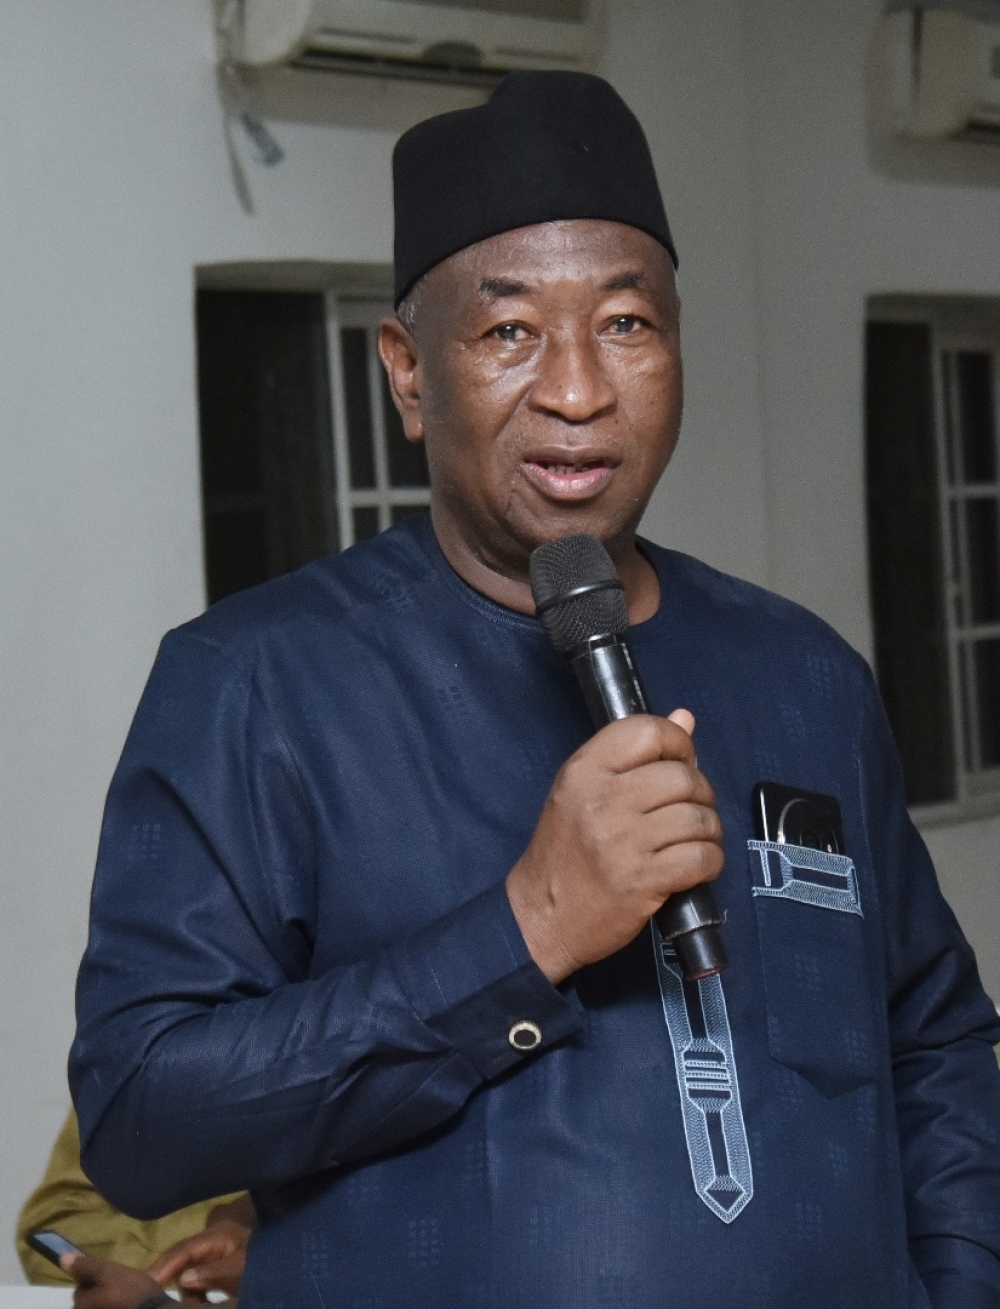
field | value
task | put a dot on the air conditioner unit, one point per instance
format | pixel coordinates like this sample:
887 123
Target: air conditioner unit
454 40
944 73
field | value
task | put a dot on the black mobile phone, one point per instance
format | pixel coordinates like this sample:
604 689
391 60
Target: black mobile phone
791 816
51 1244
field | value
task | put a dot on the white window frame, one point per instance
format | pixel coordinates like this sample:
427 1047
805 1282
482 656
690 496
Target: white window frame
969 322
366 313
972 779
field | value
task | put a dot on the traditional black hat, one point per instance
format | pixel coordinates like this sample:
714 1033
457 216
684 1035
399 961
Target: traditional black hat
545 146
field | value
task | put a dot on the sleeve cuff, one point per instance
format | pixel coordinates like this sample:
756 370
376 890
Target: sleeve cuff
958 1274
473 982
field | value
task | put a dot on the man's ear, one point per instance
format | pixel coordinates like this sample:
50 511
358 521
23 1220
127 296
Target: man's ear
401 360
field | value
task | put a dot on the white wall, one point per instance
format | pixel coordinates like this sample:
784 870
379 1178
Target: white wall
115 184
684 76
842 213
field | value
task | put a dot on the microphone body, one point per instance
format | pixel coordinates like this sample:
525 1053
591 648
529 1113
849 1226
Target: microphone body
574 594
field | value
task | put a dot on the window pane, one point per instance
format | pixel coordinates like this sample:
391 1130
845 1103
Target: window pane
974 387
354 355
982 526
229 388
986 660
268 484
407 461
365 522
236 553
905 555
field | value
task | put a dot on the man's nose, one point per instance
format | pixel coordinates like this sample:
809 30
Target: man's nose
572 382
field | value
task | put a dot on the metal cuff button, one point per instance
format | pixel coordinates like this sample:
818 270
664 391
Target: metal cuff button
525 1036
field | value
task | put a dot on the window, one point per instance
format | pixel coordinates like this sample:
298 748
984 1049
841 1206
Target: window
382 476
971 504
933 480
302 451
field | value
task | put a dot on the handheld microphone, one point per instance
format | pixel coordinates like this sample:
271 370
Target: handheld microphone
581 601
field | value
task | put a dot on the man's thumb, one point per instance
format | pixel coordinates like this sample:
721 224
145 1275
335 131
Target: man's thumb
683 718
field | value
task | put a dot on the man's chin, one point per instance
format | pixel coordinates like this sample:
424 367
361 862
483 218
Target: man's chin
614 534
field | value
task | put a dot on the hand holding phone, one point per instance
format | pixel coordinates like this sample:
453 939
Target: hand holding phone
53 1245
101 1284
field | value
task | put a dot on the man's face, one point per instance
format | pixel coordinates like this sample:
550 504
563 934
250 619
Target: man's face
545 378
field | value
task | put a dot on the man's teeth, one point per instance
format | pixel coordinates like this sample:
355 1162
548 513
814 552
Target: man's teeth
566 469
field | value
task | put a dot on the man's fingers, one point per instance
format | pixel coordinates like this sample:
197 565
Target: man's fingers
629 821
641 739
665 782
676 824
219 1275
80 1267
212 1243
169 1266
688 863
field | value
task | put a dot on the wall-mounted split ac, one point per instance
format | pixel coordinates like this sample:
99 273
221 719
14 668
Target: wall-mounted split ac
454 40
943 65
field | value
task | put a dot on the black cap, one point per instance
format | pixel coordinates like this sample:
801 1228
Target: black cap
545 146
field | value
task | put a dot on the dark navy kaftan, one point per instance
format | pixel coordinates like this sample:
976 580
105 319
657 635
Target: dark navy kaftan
302 972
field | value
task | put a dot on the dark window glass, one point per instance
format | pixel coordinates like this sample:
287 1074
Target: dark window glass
974 382
365 522
904 555
235 550
987 726
982 527
407 461
357 403
967 663
229 385
268 490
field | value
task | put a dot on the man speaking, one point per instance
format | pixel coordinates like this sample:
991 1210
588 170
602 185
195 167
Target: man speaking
371 925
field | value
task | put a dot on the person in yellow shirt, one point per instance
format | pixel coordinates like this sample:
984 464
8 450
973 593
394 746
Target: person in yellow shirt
166 1247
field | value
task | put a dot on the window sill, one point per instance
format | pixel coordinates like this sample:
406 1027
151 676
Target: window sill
952 813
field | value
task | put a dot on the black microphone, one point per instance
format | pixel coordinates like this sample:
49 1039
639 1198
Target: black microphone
581 601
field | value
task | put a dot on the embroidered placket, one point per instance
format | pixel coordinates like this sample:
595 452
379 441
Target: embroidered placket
797 872
716 1136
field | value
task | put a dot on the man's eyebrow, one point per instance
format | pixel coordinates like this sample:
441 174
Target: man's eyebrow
629 281
496 288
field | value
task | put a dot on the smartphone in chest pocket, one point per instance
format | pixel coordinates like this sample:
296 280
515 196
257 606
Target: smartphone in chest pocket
789 815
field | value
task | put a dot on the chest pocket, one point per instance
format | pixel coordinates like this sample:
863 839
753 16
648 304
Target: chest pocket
819 999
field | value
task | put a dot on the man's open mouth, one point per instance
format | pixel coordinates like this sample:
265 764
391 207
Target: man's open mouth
563 480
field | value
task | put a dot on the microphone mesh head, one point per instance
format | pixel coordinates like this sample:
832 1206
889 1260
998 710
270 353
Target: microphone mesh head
561 566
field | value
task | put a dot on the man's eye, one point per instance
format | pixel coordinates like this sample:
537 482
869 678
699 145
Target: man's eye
625 323
508 332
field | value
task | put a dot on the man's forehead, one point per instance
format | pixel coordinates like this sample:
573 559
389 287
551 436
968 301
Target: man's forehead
608 255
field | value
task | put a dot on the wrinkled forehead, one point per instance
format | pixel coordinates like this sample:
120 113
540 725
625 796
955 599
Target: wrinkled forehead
589 255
